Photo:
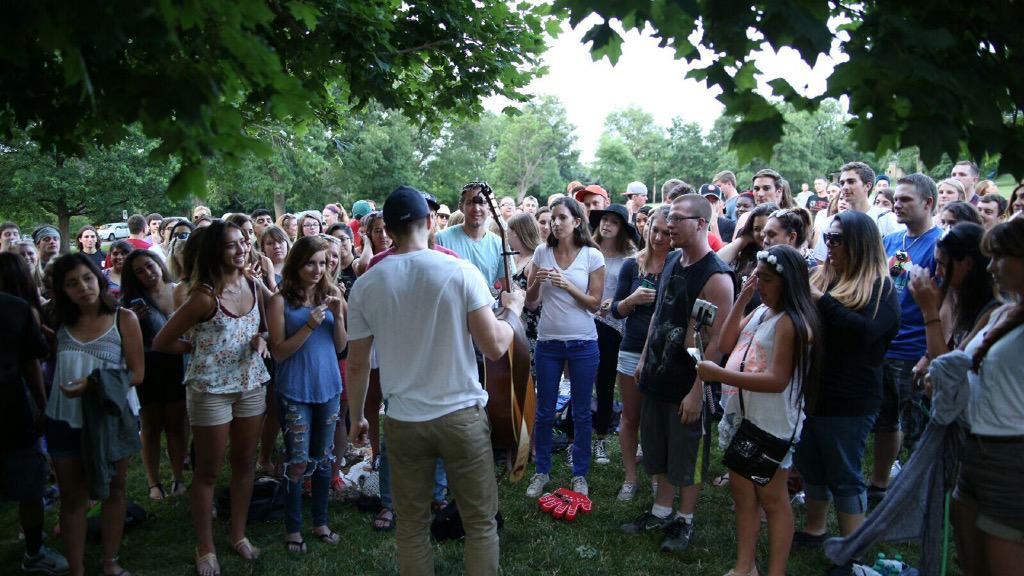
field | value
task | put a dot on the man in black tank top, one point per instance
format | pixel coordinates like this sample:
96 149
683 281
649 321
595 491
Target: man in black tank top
672 420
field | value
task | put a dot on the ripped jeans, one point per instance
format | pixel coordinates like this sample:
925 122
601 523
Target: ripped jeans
308 431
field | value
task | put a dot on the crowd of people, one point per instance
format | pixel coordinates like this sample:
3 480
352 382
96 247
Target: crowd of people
794 326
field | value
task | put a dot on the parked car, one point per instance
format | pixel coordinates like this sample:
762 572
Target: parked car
113 231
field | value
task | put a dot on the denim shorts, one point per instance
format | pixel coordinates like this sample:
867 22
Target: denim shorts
830 455
990 478
63 441
899 399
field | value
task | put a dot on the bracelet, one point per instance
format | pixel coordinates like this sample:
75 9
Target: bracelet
311 328
933 320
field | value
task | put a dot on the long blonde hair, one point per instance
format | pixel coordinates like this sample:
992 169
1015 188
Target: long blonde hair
643 257
865 266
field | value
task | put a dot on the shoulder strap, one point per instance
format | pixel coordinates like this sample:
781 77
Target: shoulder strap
743 359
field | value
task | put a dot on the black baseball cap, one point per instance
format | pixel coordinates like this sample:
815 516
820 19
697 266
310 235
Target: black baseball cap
405 204
711 190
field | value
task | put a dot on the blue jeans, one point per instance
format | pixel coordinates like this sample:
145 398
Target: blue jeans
830 455
583 357
308 431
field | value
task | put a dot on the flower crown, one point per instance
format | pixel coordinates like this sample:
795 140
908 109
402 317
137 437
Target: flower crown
764 256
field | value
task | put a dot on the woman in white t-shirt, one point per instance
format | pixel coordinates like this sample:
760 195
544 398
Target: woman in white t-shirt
567 277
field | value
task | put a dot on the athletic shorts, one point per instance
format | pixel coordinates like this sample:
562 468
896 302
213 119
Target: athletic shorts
627 362
670 447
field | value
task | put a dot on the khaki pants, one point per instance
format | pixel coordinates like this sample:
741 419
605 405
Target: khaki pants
463 440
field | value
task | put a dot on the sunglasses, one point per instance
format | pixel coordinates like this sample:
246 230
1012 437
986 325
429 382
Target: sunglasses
182 235
833 238
678 218
442 216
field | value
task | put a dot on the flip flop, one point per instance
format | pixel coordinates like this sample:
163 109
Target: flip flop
244 543
331 537
295 547
384 521
208 561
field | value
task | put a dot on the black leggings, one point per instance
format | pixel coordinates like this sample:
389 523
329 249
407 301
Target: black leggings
608 340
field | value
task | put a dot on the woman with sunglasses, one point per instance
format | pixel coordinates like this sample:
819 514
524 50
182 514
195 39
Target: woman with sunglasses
860 316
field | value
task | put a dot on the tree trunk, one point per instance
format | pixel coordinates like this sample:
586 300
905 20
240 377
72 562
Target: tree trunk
279 207
64 224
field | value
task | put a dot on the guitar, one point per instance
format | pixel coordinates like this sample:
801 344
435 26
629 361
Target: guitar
512 397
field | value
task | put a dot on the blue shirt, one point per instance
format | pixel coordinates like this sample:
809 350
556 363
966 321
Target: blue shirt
310 375
910 342
485 253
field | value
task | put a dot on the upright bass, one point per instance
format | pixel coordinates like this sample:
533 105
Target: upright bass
512 397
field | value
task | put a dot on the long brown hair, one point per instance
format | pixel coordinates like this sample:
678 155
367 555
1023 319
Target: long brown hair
1006 239
526 228
291 285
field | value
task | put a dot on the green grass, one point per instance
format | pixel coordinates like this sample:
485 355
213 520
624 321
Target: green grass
531 543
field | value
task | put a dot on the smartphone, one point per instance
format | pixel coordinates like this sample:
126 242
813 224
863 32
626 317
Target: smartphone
648 283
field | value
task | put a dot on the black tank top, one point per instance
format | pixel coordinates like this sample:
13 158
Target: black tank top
669 371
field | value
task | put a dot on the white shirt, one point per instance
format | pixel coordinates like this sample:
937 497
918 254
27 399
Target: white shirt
996 406
885 219
562 317
416 307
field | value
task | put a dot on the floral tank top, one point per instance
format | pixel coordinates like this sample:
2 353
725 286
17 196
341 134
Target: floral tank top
222 361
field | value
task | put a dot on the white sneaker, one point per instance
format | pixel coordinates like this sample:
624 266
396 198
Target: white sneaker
627 492
568 456
600 453
579 484
639 454
537 484
46 561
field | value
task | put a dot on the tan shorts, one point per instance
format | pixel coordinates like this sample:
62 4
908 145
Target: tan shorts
206 409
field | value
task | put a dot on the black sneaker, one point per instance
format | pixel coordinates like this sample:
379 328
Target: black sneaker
802 539
677 535
646 522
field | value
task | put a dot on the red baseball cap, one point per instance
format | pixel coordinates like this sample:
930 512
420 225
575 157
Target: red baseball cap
592 189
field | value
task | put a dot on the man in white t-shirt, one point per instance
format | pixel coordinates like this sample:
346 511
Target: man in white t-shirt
857 179
423 311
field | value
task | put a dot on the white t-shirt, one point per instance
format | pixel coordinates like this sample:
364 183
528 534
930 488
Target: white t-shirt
885 219
562 318
996 407
416 307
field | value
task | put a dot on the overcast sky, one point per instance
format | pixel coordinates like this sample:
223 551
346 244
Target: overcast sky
648 77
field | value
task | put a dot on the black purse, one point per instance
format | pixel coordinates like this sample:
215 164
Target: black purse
753 453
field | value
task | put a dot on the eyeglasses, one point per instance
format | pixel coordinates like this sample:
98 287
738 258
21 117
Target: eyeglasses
833 238
182 235
678 218
310 224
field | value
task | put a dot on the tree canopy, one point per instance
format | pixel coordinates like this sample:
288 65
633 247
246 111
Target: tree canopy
196 75
940 76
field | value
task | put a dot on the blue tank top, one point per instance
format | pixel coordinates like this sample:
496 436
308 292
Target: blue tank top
310 375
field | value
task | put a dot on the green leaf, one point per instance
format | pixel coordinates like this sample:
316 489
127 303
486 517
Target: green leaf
189 181
304 13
